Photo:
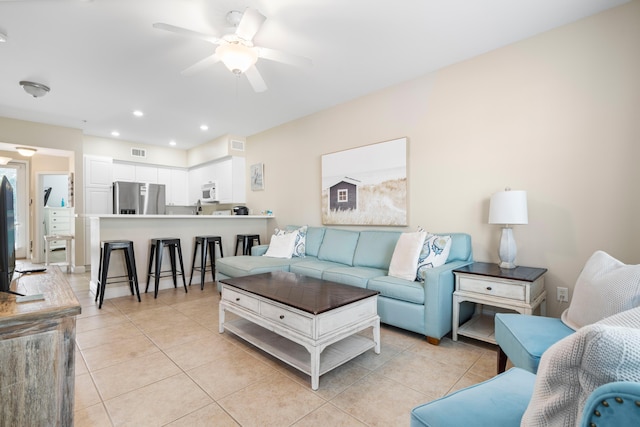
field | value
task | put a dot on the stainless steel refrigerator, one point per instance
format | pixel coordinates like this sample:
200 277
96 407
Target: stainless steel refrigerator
138 198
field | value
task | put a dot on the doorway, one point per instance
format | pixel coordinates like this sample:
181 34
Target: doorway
51 196
16 173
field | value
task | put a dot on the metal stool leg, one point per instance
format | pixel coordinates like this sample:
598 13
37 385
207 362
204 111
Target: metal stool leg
184 282
193 262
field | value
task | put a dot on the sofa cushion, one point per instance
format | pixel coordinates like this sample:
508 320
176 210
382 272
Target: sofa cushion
375 248
434 253
313 267
353 276
234 266
501 401
338 246
460 247
605 287
314 240
392 287
405 255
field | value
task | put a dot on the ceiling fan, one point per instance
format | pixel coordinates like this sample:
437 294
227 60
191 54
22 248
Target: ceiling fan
236 50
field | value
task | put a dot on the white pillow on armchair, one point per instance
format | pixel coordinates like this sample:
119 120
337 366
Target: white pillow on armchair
605 287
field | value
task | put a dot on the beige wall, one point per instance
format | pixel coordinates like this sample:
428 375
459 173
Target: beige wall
555 115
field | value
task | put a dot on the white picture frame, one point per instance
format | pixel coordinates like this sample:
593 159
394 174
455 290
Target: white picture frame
257 177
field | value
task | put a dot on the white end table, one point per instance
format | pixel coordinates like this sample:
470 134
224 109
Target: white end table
520 289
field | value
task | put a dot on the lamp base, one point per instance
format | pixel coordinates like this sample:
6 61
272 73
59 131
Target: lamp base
507 265
507 249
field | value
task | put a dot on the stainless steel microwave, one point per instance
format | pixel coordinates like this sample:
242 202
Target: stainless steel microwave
209 192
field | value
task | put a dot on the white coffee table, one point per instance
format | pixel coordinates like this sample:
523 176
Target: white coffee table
298 319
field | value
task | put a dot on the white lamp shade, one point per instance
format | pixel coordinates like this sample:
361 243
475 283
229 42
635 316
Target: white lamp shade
508 207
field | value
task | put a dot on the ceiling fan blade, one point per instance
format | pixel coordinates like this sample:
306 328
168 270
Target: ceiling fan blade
185 32
255 79
250 23
286 58
200 65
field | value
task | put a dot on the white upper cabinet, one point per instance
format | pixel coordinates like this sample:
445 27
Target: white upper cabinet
146 174
231 176
175 181
124 172
98 171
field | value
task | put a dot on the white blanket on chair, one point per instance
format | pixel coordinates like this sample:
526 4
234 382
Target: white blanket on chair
574 367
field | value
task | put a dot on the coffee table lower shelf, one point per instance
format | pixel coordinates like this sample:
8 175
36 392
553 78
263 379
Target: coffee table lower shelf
295 354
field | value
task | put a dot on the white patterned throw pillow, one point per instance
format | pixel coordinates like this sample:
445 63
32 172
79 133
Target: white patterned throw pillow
299 249
434 253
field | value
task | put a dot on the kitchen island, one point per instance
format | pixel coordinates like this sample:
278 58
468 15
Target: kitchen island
141 228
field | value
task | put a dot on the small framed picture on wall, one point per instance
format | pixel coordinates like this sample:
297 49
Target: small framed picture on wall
257 177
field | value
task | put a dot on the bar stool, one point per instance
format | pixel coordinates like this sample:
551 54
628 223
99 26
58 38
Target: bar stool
106 247
206 244
247 242
68 240
157 247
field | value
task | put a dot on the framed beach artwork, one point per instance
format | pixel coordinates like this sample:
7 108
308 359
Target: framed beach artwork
257 177
366 185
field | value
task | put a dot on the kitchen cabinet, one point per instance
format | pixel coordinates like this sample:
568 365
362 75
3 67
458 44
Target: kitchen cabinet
231 177
98 171
124 172
176 184
147 174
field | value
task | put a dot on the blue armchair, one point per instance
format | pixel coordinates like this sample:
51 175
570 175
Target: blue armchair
589 377
604 288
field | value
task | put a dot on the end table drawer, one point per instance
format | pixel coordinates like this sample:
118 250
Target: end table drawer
497 289
240 299
292 320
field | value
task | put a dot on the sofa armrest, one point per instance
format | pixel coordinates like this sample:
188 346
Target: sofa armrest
439 285
259 250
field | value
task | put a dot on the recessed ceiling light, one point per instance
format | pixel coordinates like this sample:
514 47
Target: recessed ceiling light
138 113
172 143
204 127
115 133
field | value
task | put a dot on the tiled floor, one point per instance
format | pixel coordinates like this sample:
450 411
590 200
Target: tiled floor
163 362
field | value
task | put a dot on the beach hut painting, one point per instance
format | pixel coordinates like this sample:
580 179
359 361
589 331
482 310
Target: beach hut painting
366 185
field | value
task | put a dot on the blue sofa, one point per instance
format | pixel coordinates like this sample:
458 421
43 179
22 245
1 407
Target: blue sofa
362 258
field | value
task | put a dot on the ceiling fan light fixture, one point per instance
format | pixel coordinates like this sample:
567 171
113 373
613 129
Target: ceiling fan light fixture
236 56
26 151
36 90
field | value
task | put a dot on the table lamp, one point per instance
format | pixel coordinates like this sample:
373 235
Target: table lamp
508 208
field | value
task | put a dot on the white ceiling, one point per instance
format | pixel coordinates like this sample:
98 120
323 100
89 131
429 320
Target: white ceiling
102 58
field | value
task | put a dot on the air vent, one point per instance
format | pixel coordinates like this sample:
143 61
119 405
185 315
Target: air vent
237 145
140 153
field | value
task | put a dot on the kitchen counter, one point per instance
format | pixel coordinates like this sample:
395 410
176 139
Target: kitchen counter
141 228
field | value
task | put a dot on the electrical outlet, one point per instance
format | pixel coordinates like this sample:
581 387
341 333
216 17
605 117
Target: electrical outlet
562 294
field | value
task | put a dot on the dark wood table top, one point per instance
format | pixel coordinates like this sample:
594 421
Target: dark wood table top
527 274
305 293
